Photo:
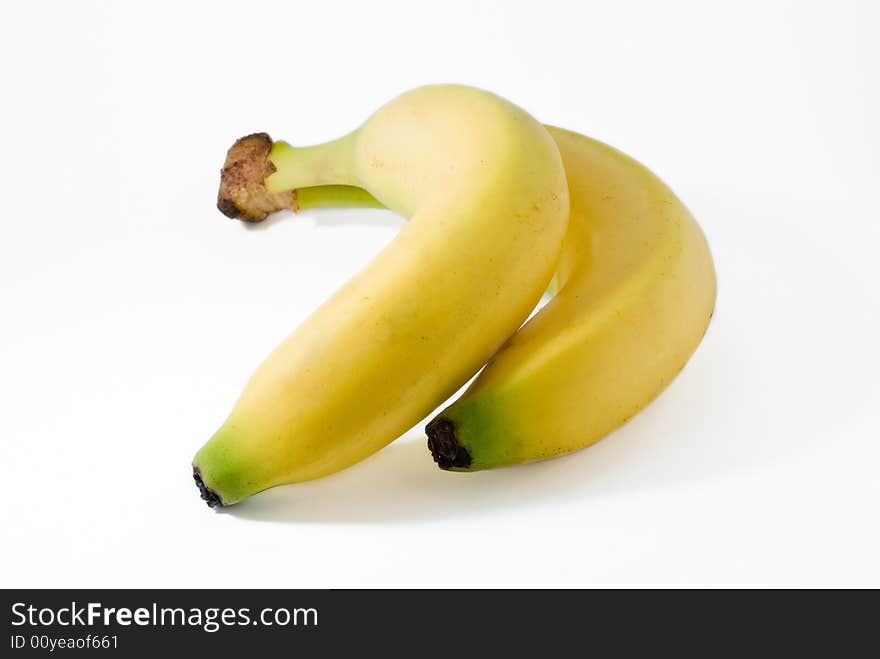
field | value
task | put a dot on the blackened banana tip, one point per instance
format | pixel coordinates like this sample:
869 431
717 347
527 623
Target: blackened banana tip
445 448
209 495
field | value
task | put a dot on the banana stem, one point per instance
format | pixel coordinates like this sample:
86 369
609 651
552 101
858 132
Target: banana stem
330 163
260 177
349 196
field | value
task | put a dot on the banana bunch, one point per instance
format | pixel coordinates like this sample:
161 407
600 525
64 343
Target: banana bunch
498 205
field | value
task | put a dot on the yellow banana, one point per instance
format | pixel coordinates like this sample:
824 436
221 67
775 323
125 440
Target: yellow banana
484 187
636 292
635 288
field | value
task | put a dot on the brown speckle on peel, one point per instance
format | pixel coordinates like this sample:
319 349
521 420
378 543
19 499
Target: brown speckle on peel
243 193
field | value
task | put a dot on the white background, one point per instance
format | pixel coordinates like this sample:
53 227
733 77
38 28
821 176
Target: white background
133 312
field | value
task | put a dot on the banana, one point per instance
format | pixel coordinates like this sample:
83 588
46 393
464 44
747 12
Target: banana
635 289
484 187
636 293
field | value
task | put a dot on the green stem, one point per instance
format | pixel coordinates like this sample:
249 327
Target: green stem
330 163
320 196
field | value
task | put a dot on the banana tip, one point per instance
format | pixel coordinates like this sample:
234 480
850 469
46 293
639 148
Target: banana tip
445 448
209 495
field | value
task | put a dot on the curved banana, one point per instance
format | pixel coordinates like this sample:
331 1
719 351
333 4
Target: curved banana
636 293
485 189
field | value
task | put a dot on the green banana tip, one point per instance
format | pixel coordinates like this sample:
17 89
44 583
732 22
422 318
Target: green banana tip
210 496
445 448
